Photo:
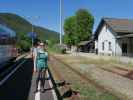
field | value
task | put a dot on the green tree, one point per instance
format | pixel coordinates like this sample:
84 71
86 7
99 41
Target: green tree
79 27
84 24
70 29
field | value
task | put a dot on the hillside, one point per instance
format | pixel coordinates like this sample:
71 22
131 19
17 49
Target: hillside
22 27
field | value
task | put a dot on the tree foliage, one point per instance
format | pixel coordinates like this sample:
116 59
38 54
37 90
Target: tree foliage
69 29
22 27
79 27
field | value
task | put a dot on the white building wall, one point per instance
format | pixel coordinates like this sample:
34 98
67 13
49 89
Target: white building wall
96 44
106 36
118 48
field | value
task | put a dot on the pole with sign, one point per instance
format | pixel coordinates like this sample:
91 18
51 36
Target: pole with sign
33 36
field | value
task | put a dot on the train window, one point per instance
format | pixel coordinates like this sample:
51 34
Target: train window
7 36
7 40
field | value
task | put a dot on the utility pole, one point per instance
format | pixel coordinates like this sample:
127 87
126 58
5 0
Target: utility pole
61 22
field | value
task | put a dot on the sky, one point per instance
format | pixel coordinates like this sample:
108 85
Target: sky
45 13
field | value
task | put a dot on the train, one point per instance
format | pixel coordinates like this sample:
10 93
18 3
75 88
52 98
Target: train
8 50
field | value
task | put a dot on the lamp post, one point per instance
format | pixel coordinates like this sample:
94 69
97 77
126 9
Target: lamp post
61 22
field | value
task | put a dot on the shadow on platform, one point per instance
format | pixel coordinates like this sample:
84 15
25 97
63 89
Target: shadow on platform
18 86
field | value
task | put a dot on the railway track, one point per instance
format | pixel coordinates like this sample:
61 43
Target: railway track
129 73
121 71
85 78
66 86
124 72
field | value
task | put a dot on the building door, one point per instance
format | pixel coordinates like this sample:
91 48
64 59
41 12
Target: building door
124 49
131 47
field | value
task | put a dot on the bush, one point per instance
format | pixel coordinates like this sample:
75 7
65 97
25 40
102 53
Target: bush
63 50
57 49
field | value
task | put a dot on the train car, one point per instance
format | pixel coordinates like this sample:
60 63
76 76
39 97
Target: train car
8 50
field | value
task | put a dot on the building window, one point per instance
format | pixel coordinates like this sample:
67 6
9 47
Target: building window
110 46
102 45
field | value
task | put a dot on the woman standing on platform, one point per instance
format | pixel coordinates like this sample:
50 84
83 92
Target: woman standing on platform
41 65
34 55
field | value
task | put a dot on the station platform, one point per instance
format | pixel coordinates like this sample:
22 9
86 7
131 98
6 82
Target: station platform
49 93
21 84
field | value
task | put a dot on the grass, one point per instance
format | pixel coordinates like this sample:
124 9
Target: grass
54 49
130 64
87 90
101 62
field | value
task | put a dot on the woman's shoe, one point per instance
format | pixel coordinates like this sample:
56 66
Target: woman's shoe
42 90
36 91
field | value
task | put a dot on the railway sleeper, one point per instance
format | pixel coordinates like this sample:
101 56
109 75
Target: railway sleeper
66 90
